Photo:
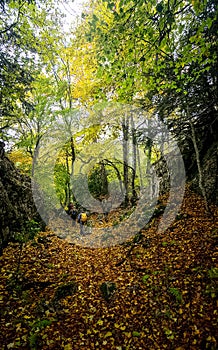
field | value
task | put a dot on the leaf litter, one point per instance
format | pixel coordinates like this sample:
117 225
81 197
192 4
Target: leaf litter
164 293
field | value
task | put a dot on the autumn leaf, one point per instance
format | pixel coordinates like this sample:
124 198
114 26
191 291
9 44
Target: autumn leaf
100 322
108 334
68 347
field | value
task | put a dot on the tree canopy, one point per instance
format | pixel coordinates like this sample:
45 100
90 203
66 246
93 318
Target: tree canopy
160 57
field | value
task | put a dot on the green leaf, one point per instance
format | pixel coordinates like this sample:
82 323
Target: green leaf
135 334
145 278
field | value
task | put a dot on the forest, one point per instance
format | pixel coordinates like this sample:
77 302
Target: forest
109 107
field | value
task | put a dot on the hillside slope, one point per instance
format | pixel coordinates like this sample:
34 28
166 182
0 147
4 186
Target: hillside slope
165 296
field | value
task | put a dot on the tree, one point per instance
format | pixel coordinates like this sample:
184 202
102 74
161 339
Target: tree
22 24
15 60
162 56
29 128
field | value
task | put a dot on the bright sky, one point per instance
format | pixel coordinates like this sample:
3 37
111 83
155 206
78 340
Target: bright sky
72 9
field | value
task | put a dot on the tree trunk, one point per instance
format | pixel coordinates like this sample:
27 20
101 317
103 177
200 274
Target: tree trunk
118 174
125 128
139 167
148 166
104 182
67 184
200 175
134 160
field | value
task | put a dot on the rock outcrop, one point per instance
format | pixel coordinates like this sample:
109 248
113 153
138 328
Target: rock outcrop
16 202
207 143
209 167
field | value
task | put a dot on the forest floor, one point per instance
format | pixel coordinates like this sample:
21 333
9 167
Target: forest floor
165 296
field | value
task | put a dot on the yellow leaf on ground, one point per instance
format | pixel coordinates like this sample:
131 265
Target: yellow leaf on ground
100 322
108 334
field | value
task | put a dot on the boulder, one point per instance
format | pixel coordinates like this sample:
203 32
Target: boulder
209 165
17 207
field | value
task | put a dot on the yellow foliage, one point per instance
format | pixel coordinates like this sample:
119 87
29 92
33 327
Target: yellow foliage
83 70
21 160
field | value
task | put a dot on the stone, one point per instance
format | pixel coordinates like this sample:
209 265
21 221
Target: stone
16 202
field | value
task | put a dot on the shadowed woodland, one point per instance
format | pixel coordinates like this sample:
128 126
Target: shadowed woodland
114 110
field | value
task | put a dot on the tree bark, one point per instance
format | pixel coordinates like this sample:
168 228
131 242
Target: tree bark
125 129
200 175
67 184
109 162
134 160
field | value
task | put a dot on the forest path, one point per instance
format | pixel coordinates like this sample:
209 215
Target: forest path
165 297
